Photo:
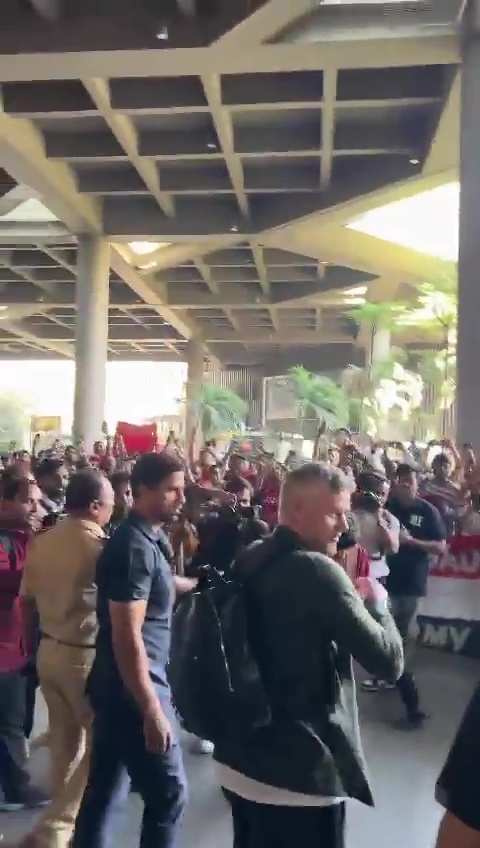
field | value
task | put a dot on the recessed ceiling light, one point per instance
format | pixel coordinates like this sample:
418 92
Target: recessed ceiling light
357 290
142 248
162 34
414 161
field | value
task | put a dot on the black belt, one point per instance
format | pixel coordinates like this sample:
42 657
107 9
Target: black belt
67 644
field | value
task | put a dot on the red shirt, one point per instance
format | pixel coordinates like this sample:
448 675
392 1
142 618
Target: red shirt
13 551
270 492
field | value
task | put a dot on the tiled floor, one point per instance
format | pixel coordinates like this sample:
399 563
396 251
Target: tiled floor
403 768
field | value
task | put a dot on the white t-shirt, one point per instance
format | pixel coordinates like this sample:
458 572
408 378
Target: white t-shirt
471 524
369 535
260 793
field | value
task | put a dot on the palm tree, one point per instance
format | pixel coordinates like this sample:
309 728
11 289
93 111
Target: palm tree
436 309
219 409
317 398
378 391
377 315
437 368
436 313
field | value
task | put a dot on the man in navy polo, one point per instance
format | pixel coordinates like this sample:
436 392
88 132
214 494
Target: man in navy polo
133 730
422 536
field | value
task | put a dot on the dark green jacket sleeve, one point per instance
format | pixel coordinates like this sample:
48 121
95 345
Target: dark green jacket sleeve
369 636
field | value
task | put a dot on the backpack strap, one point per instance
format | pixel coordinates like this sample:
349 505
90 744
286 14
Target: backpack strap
262 553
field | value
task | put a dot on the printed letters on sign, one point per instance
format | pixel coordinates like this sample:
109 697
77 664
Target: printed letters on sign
445 636
416 520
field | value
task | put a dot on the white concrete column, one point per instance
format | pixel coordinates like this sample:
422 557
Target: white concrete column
468 335
91 338
195 354
380 350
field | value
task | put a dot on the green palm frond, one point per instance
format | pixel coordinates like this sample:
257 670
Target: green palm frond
318 397
219 409
384 315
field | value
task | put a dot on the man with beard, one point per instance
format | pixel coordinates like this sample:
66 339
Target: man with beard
133 727
52 477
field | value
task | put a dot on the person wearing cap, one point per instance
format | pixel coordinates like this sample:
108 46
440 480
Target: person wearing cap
134 728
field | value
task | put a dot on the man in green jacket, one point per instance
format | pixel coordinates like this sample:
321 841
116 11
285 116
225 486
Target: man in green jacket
289 781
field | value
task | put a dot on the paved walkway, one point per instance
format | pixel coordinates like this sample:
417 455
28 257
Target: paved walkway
403 768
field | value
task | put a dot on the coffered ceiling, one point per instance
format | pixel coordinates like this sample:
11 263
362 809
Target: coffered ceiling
223 165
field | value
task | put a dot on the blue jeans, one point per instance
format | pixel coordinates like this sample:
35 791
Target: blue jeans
118 755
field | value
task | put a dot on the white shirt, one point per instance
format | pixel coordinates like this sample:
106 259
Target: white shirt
369 539
260 793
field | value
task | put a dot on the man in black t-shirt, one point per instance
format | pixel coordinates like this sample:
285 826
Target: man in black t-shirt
458 787
422 536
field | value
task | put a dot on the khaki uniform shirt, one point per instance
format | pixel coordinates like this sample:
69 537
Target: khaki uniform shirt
59 575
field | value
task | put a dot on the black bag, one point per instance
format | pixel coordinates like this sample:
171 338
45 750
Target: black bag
215 679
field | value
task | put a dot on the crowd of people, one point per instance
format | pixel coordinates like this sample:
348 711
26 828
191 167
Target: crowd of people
97 550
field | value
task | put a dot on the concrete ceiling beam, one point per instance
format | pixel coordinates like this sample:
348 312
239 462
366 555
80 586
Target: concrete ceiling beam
222 121
16 329
123 130
366 253
388 52
22 154
272 17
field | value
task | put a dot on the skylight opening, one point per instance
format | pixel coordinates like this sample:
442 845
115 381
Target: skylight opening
427 222
143 248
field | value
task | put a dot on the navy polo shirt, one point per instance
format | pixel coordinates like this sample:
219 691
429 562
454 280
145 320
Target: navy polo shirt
410 566
134 566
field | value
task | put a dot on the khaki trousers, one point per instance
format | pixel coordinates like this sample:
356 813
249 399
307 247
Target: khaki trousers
63 673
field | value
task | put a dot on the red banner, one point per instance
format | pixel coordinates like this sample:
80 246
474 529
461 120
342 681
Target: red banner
462 559
138 438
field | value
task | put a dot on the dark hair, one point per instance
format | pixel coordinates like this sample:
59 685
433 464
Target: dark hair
48 466
152 469
238 455
441 459
404 468
83 488
13 485
370 480
236 484
119 478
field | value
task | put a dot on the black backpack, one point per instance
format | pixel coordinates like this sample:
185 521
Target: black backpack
215 679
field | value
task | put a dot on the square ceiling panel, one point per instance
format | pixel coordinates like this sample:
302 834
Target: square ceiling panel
273 132
293 87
